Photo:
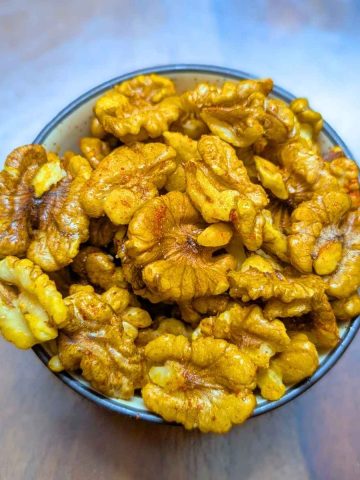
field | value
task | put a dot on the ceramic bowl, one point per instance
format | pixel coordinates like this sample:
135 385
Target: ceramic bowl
63 132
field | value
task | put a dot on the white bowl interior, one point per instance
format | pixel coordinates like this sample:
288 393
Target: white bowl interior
66 135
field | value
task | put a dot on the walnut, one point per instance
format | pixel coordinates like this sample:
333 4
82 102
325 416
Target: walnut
253 282
221 190
17 198
162 326
203 384
100 342
174 267
347 308
63 224
347 173
94 150
97 267
102 231
315 240
31 308
313 316
246 327
139 108
311 122
298 361
240 112
345 279
192 312
125 179
305 171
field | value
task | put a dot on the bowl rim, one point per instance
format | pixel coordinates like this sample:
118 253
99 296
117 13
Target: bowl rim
331 358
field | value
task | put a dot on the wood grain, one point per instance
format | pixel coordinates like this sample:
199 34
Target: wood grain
50 53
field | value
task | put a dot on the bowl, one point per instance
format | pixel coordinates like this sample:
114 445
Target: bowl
62 133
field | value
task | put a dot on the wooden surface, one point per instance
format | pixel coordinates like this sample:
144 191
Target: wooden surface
49 55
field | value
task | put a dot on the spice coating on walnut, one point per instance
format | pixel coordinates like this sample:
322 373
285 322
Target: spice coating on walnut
162 241
204 383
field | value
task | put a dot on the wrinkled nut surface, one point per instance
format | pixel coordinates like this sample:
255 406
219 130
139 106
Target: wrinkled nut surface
313 316
49 174
192 312
98 268
63 224
221 190
252 283
239 112
271 177
125 179
311 122
203 246
31 308
97 341
345 279
162 326
203 384
315 239
139 108
246 327
94 150
347 173
347 308
162 241
306 172
298 361
17 198
102 231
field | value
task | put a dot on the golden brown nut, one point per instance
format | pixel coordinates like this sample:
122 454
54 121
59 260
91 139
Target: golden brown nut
31 308
271 177
139 108
63 224
254 281
246 327
221 190
125 179
101 231
94 150
162 241
315 239
346 278
193 311
186 150
347 173
190 124
347 308
311 122
240 113
162 326
98 268
274 240
99 342
49 174
203 384
306 172
297 362
313 316
17 198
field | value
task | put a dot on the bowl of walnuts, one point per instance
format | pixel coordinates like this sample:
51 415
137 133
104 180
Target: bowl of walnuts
181 244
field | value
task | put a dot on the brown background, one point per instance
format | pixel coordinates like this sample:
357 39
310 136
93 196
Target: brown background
52 51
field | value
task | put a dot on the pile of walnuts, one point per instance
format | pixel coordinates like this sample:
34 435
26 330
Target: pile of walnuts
201 248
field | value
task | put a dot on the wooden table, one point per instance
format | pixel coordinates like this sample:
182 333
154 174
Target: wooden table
53 51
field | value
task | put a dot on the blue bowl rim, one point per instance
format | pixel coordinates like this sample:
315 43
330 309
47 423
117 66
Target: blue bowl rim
331 358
